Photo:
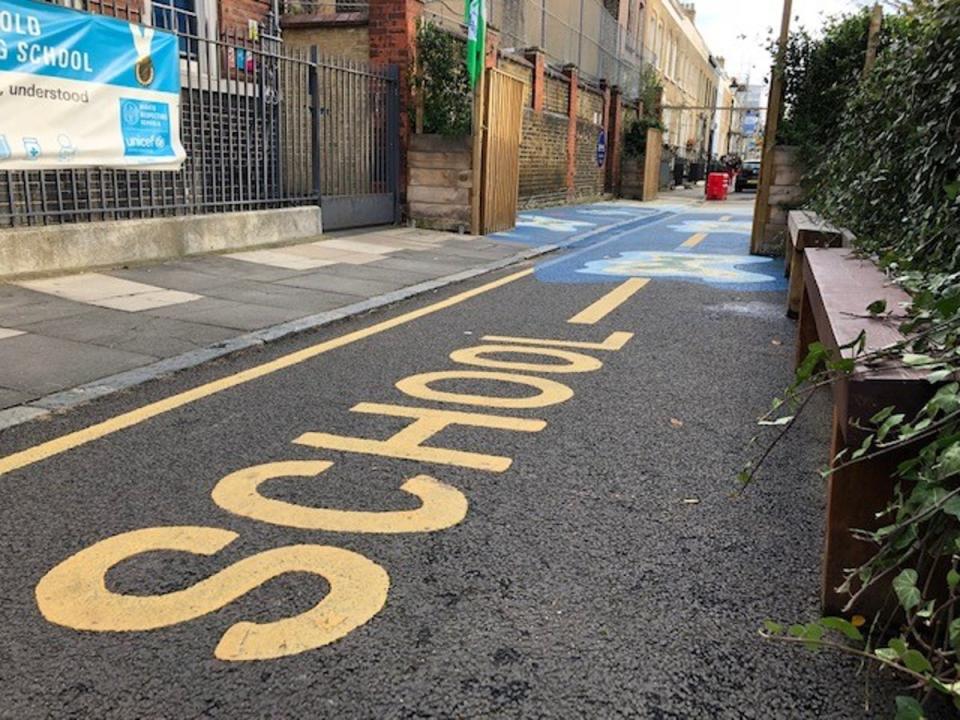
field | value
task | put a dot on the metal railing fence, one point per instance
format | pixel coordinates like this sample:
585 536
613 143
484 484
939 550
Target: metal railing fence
246 114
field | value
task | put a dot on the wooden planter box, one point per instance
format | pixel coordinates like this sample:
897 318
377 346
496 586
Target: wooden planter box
440 185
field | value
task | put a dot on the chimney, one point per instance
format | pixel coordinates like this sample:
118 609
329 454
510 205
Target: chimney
690 10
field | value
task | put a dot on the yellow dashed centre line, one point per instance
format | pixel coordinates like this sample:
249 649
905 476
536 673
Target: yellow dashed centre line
134 417
694 240
609 302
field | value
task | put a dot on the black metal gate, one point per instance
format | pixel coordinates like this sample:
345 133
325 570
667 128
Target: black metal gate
357 111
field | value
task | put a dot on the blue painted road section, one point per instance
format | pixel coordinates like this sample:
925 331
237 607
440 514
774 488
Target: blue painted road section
611 242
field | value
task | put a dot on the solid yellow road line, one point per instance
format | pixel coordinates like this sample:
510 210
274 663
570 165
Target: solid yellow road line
134 417
694 240
609 302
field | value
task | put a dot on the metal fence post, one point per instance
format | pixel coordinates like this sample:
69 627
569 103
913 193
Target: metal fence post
393 137
315 121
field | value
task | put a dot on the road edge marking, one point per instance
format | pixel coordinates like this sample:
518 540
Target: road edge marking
609 302
70 441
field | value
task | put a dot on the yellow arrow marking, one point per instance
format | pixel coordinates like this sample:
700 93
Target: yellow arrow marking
609 302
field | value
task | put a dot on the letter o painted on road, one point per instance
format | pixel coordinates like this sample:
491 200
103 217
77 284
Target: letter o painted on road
574 362
549 392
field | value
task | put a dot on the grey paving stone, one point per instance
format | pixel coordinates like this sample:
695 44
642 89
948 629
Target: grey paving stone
182 278
24 307
38 364
280 296
9 398
372 272
456 254
355 287
133 332
426 268
233 269
12 296
227 314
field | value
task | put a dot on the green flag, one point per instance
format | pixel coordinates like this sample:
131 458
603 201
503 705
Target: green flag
476 20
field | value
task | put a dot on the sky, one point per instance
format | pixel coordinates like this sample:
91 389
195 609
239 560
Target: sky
738 29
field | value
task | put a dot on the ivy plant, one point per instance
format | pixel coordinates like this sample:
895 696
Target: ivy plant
888 169
440 79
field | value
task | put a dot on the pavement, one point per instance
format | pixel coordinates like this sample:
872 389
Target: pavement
513 496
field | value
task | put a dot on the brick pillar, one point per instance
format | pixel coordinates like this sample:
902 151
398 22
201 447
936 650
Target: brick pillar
539 60
615 140
393 31
573 107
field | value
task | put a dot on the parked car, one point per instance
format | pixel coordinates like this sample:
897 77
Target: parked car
749 176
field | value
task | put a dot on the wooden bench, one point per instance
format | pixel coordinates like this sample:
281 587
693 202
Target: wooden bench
837 288
807 230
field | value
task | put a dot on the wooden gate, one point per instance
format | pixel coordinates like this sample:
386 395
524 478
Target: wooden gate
500 174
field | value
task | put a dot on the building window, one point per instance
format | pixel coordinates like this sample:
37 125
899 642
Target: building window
181 17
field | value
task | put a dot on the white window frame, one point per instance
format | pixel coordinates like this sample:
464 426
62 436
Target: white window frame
203 67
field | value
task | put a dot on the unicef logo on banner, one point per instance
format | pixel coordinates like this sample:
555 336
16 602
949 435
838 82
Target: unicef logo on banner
146 128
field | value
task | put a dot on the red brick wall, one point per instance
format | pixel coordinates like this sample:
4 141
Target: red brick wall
588 178
543 159
234 14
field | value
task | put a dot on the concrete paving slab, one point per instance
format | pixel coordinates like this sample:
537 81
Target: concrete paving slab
147 300
138 333
391 244
174 278
374 272
12 296
332 283
279 296
228 314
9 398
319 252
429 268
231 269
41 307
355 246
107 291
280 259
456 252
64 363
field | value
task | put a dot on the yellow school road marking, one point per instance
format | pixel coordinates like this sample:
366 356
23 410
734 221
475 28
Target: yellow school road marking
694 240
609 302
726 218
75 595
135 417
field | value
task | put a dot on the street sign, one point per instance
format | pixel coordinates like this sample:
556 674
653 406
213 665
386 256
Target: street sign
601 148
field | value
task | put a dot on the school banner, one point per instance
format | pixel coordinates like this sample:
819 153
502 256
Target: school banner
81 90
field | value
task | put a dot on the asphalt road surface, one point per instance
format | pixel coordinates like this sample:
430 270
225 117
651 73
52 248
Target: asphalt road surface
509 498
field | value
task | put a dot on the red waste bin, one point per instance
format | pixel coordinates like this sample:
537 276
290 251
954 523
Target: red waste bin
717 186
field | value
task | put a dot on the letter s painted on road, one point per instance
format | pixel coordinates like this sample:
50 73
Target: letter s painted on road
74 594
